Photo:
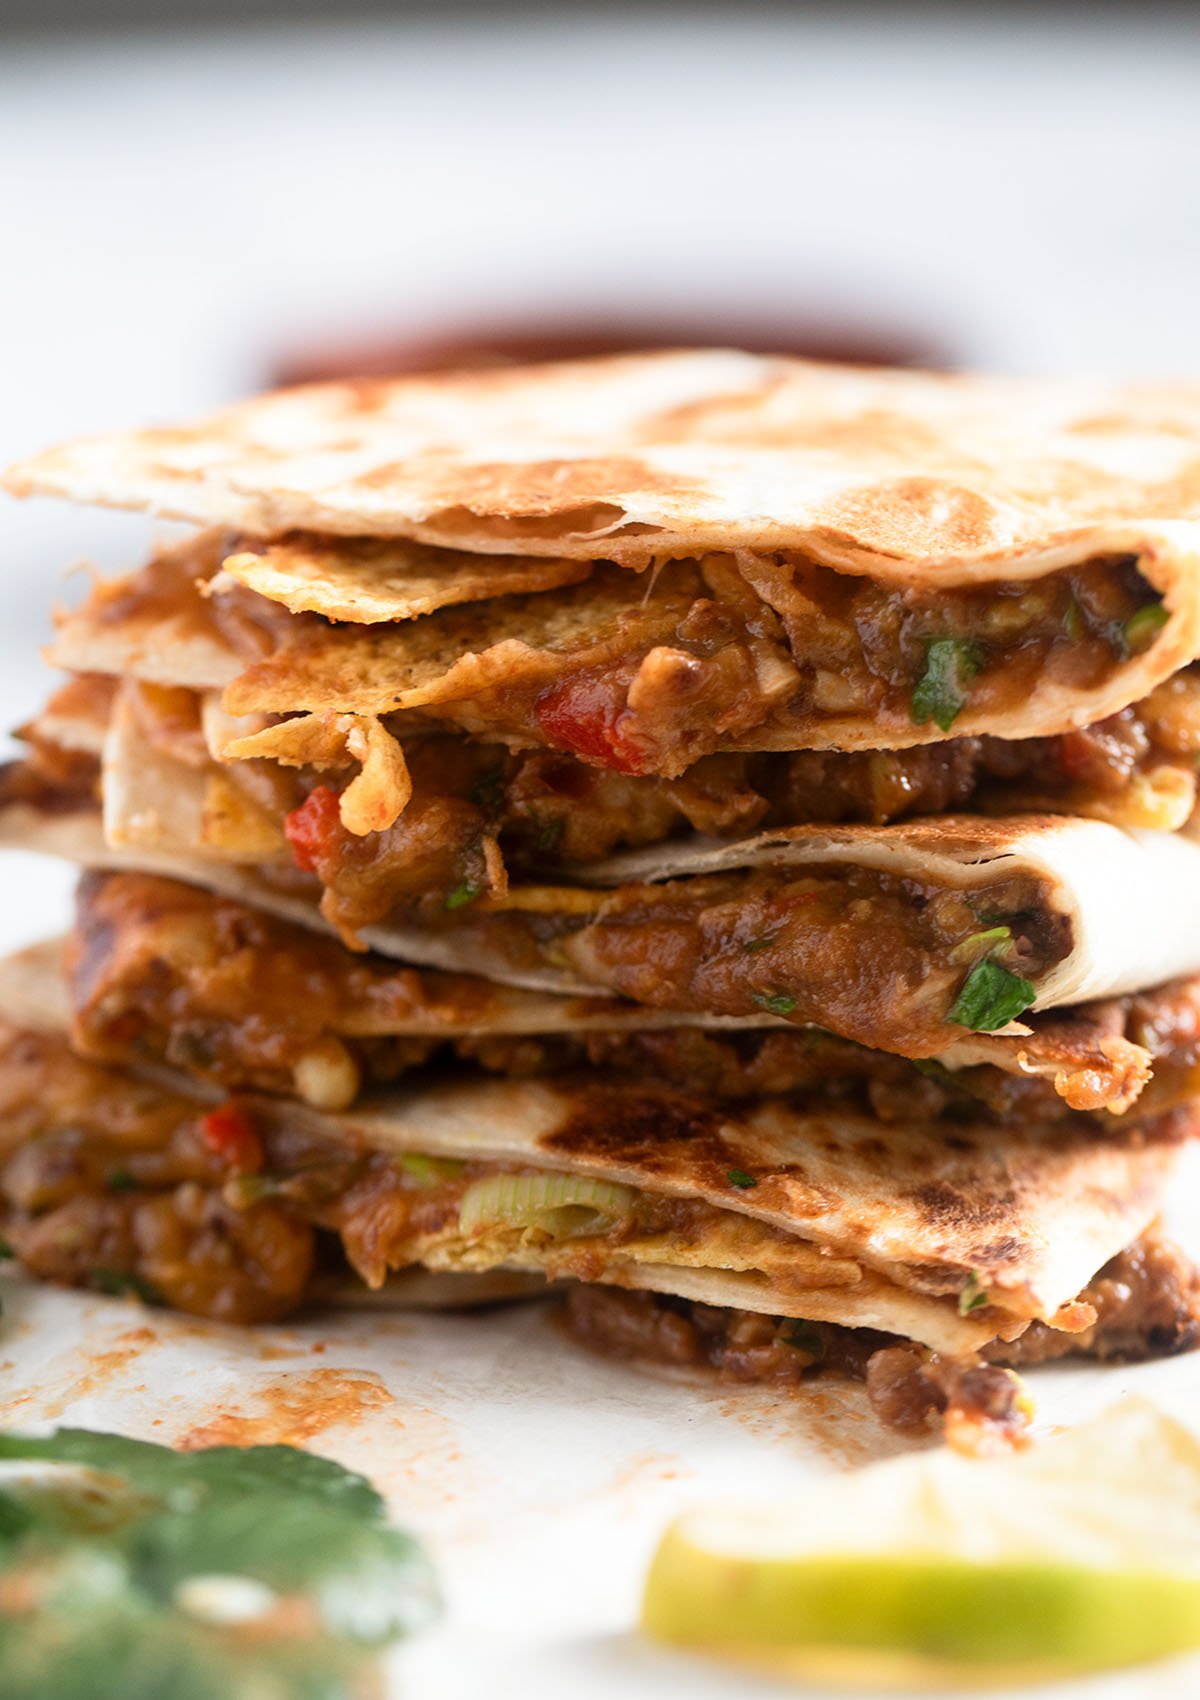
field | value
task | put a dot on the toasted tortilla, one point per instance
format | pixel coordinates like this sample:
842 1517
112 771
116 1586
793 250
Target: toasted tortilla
1132 897
76 717
920 476
1057 1047
152 625
887 1227
371 580
462 653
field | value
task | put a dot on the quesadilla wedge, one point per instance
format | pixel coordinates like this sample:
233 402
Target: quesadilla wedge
448 811
902 938
909 938
163 971
538 803
1097 1056
645 678
871 1235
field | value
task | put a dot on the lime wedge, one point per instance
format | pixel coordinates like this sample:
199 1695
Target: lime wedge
1077 1554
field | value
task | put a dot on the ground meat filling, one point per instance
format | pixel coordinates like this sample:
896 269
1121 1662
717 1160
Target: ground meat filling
865 954
162 970
213 1027
226 1212
548 812
1147 1301
477 808
872 648
738 652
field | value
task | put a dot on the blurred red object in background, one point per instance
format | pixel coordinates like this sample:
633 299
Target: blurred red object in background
521 342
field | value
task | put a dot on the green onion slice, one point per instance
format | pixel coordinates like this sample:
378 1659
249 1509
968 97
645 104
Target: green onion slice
779 1003
973 1296
463 894
990 997
429 1171
981 944
562 1205
1142 628
739 1178
805 1337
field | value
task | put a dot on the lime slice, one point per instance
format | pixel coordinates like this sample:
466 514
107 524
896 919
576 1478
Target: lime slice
1077 1554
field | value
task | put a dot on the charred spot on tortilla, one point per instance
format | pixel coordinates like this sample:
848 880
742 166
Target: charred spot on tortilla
647 1130
964 1207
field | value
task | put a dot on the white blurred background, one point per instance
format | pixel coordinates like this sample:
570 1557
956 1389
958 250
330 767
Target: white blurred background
186 213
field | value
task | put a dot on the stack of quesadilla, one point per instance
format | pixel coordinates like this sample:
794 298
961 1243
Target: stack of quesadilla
718 832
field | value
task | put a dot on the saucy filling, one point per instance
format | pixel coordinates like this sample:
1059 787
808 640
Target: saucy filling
646 677
477 809
222 1211
890 962
161 970
123 1187
734 652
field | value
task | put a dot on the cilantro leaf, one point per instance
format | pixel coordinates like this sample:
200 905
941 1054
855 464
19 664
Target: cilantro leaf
463 894
739 1178
940 695
779 1003
207 1575
548 831
973 1295
990 997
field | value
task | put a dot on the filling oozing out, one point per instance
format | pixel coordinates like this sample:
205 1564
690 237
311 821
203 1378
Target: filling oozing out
122 1186
735 651
1146 1302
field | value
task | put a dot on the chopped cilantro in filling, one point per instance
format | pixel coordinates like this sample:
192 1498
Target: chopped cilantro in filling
990 997
941 693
